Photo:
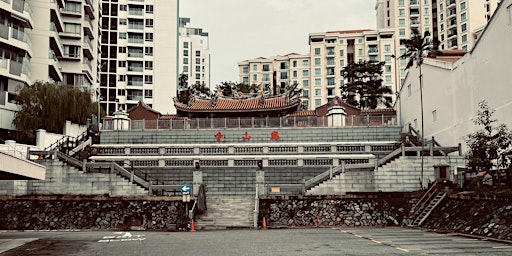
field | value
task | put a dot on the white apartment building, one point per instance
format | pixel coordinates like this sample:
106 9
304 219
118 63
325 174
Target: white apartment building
318 74
136 62
274 74
452 88
194 54
332 51
54 40
461 21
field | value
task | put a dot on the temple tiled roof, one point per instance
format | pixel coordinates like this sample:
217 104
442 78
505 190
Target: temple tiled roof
223 104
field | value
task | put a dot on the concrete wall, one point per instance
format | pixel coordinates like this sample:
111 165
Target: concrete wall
453 91
371 133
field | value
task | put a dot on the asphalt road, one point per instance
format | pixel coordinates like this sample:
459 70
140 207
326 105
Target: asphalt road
320 241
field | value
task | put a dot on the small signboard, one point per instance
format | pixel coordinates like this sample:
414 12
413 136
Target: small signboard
185 189
275 189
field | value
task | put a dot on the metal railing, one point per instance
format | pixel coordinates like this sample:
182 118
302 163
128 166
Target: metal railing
255 122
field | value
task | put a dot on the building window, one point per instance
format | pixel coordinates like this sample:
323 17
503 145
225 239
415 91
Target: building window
318 82
401 32
388 58
360 52
284 75
305 83
425 2
387 48
254 67
360 41
198 53
305 93
387 68
245 80
121 92
317 51
254 77
401 22
400 2
441 7
427 20
294 63
464 38
72 28
427 11
245 70
305 63
185 45
342 53
318 103
401 12
149 9
122 49
148 94
185 61
284 65
122 64
463 27
265 78
463 17
122 22
295 74
149 51
148 79
198 61
149 37
149 23
465 48
317 61
305 73
185 69
122 78
318 92
342 63
148 65
342 41
463 6
434 116
318 72
122 35
123 7
388 79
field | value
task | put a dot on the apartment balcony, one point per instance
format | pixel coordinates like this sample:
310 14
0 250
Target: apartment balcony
452 34
135 55
414 12
373 51
136 69
137 83
452 14
452 24
71 56
415 3
56 18
71 35
135 41
451 4
16 70
136 26
88 27
71 12
415 23
135 98
21 10
135 12
87 48
89 9
55 70
55 42
87 68
16 38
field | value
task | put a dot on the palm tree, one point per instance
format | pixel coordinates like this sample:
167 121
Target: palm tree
417 48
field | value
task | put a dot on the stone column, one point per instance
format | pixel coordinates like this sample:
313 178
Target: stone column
336 116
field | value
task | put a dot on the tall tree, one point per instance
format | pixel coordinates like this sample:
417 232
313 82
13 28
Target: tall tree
417 48
364 87
47 106
490 146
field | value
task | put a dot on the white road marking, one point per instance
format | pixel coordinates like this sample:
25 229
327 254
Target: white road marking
122 237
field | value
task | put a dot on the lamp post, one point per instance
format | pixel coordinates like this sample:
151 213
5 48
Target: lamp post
98 117
398 88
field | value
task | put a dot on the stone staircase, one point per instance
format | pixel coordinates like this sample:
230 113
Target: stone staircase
64 179
400 175
225 212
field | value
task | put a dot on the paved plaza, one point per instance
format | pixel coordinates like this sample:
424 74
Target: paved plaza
316 241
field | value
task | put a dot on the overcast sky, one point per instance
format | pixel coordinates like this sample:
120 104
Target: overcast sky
247 29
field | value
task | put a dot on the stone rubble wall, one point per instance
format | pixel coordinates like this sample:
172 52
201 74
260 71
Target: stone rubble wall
103 214
337 212
481 217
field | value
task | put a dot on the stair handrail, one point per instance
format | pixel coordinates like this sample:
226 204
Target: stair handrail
68 159
433 190
320 177
391 155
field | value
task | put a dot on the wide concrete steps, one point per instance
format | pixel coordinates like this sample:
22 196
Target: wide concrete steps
227 212
64 179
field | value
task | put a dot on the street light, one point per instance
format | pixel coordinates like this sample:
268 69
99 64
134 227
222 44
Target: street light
98 117
398 88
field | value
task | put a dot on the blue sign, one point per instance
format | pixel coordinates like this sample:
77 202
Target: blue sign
185 189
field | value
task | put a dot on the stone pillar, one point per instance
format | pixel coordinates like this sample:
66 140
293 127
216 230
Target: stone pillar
336 116
40 138
197 180
121 121
260 182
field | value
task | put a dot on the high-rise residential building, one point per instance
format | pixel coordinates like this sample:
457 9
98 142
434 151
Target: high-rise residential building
461 21
319 73
137 63
332 51
194 54
54 41
274 74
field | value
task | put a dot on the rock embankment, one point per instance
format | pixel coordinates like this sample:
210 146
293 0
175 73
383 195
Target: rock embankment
26 214
337 212
480 217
